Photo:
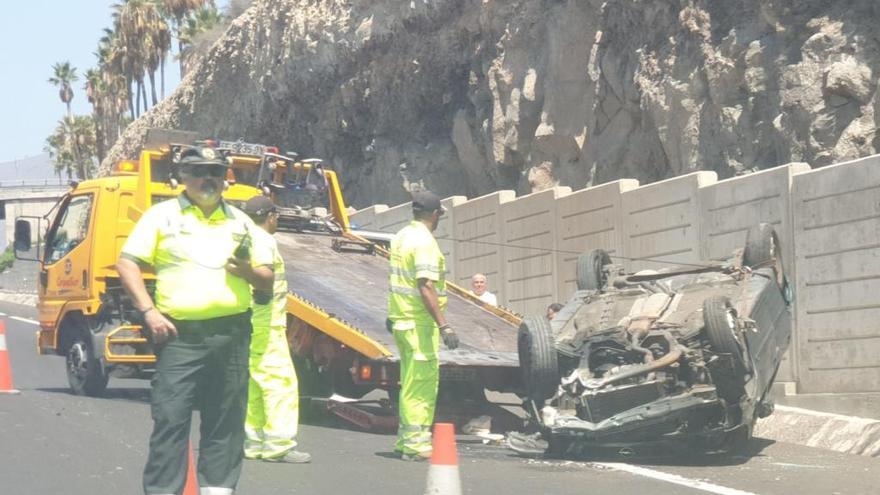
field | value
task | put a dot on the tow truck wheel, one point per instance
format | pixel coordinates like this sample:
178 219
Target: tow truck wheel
591 270
537 358
85 372
719 319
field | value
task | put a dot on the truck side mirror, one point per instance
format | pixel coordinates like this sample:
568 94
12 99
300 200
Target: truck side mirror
22 235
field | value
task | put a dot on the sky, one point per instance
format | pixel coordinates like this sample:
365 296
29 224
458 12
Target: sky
34 34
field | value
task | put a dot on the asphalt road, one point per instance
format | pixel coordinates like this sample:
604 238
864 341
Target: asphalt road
54 442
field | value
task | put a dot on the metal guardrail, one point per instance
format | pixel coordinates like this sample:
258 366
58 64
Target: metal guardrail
32 183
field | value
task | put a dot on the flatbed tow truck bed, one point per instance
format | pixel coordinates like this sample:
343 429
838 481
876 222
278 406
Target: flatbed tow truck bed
319 275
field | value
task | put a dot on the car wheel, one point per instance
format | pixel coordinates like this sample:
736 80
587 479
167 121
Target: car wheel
537 358
763 249
719 320
86 373
591 269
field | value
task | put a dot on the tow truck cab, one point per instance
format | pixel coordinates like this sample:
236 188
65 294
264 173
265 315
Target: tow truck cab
83 311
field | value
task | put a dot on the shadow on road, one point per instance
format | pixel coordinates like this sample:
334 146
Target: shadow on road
141 395
659 454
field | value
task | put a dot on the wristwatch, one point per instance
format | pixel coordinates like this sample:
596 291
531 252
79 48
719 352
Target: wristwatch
143 312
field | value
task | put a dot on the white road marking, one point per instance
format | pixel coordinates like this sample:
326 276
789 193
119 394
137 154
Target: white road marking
24 320
671 478
2 314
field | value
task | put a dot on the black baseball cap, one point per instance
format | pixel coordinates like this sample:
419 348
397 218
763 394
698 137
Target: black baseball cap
202 155
259 206
427 201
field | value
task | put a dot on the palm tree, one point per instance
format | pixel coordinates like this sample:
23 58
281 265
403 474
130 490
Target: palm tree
192 34
64 76
179 9
72 146
158 44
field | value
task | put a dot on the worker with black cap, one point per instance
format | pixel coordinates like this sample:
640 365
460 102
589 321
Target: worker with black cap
416 305
199 320
273 395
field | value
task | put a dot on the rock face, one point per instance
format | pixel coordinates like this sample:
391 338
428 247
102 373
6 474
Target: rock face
477 95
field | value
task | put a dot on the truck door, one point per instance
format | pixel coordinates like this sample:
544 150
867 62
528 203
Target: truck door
66 262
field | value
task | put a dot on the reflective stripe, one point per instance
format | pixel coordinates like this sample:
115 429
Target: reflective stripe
409 291
414 428
402 272
2 342
215 490
428 268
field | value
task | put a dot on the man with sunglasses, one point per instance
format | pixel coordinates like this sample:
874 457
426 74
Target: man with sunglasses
199 320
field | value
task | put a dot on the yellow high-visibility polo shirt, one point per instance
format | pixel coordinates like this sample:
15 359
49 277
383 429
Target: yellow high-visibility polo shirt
189 253
273 314
414 255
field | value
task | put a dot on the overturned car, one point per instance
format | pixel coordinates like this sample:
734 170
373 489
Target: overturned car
682 354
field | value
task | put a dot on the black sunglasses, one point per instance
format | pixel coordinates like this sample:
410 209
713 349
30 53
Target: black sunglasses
202 171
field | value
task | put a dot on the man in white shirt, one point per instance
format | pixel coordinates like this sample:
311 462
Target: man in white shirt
478 288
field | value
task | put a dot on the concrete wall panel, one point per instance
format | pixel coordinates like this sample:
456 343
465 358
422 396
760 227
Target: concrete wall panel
530 251
587 219
479 242
662 221
445 234
836 213
394 218
366 218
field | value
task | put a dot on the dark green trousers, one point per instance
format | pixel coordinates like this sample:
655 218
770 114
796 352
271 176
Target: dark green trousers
204 368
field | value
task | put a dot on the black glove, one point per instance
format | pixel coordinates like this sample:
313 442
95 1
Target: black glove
389 326
450 339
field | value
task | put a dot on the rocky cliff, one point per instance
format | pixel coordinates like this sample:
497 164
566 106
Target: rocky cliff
478 95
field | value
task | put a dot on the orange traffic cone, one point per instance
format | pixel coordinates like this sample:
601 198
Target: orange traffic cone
443 474
192 482
5 367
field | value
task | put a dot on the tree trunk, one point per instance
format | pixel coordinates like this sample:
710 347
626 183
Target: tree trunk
162 77
180 51
144 94
153 87
130 97
137 98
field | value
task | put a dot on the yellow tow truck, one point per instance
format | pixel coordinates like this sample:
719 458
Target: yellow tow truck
337 280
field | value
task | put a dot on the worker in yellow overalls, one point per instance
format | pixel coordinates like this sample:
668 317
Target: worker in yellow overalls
273 396
416 303
199 321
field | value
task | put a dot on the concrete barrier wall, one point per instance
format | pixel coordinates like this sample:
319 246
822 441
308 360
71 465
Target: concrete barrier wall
445 233
837 241
827 220
587 219
393 219
479 242
730 207
366 219
528 231
661 221
32 207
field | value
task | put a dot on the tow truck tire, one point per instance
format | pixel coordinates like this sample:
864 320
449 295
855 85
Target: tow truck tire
591 269
537 358
86 372
719 319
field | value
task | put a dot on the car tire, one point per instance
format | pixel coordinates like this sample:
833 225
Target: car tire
86 372
537 358
719 321
763 249
591 270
